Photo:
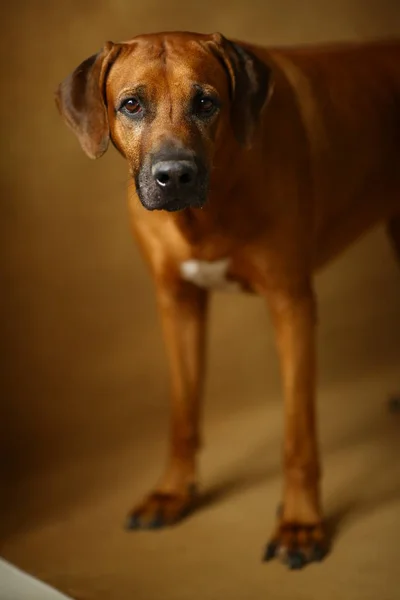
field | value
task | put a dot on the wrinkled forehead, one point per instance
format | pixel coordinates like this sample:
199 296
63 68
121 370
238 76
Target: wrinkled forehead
155 64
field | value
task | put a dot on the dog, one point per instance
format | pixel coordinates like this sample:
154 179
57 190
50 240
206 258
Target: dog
251 169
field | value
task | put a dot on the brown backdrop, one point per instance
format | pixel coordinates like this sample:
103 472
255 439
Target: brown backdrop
83 375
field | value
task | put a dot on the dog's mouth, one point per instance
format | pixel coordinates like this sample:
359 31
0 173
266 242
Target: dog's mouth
174 205
153 199
177 205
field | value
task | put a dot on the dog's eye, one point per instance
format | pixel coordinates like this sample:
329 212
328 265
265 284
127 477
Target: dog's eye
204 106
132 106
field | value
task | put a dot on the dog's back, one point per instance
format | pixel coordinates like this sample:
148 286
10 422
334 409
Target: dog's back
349 100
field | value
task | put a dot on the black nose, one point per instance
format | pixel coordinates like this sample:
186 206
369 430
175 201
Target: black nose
174 174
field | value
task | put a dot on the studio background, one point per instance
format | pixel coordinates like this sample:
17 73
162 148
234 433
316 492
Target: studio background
84 384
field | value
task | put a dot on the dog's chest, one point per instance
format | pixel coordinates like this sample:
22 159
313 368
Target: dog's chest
212 275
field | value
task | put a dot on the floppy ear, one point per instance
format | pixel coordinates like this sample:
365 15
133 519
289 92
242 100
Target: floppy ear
250 85
80 98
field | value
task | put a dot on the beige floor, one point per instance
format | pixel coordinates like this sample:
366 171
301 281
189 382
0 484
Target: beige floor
83 417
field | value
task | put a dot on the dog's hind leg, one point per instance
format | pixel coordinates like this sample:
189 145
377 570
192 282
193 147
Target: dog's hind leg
393 229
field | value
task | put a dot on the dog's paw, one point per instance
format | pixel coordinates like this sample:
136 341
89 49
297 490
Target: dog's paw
161 509
297 545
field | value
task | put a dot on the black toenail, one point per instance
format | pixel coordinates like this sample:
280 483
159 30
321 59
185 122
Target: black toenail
186 510
157 522
318 553
295 560
132 522
270 551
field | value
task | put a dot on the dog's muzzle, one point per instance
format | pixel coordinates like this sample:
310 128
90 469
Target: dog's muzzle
172 181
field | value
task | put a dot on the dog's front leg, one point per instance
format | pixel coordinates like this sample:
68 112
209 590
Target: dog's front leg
299 536
183 309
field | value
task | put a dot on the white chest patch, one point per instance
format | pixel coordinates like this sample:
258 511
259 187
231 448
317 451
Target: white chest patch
210 275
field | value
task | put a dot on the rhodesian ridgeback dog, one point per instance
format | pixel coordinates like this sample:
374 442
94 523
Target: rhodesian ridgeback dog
251 168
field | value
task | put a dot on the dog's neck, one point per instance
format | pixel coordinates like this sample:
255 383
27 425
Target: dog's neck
213 219
195 223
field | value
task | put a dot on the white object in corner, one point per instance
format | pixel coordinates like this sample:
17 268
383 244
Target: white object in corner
17 585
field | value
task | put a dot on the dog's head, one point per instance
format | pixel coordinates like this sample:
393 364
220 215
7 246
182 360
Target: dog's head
167 102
